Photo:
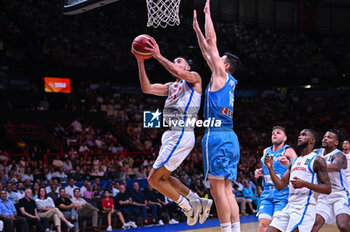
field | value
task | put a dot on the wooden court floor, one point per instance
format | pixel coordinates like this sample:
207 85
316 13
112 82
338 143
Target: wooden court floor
253 227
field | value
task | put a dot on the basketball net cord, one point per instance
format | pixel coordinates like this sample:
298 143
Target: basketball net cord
163 13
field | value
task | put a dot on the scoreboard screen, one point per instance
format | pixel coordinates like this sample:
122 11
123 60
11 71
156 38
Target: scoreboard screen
57 85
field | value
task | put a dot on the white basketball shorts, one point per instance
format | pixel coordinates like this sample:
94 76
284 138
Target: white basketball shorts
176 145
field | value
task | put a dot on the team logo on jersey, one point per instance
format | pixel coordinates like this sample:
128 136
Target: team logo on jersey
226 111
307 161
151 119
299 163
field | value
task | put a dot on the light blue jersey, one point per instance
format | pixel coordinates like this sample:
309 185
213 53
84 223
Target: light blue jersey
271 199
220 144
269 188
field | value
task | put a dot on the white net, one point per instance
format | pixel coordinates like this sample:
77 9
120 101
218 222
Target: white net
163 13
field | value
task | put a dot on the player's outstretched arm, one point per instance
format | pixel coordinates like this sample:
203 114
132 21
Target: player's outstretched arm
218 68
146 86
324 184
339 162
202 42
279 183
191 77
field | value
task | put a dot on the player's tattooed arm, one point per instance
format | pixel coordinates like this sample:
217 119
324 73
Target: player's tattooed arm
279 183
324 184
338 162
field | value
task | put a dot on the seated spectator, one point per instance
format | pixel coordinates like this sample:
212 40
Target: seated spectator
96 194
151 197
124 204
199 188
88 192
84 148
98 172
139 201
8 215
97 181
170 207
53 194
113 148
57 162
28 210
249 195
49 185
11 196
35 190
48 210
59 174
70 188
241 201
252 186
66 206
84 208
20 191
112 189
67 165
83 188
108 208
27 175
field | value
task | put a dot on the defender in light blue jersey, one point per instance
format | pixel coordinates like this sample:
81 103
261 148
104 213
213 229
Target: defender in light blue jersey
220 144
272 200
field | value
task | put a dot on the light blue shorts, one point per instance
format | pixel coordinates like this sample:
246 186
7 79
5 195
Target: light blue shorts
220 154
268 207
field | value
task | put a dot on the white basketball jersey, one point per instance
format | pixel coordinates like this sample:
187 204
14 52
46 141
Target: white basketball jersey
302 168
347 170
338 179
183 103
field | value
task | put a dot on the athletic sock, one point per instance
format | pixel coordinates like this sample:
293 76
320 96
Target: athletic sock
183 203
192 196
235 227
226 227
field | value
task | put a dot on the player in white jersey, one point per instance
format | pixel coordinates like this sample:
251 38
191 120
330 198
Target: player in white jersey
346 152
305 176
335 205
183 98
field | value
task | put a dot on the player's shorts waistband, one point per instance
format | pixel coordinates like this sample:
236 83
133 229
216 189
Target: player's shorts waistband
171 128
218 129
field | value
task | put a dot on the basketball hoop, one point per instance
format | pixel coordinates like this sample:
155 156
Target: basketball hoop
163 13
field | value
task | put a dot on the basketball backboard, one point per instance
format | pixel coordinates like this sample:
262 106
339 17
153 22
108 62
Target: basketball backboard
71 7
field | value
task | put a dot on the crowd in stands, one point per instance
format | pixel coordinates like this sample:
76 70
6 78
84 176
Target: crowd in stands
35 32
111 160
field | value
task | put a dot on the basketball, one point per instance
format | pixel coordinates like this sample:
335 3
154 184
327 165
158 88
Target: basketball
139 44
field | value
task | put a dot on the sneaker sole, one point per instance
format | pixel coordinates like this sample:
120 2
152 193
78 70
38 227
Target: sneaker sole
206 210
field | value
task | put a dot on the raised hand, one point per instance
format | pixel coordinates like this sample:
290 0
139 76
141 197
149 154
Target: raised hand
298 183
268 161
207 7
153 48
258 173
283 160
195 21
